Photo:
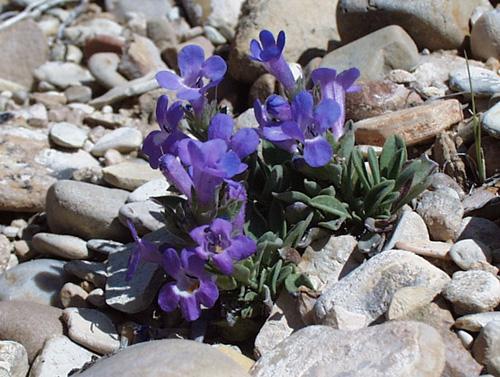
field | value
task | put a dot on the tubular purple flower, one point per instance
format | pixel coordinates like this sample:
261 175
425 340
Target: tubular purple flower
192 287
270 53
176 174
334 87
217 243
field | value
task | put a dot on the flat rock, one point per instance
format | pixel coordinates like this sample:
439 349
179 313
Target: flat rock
93 272
62 165
39 281
150 9
60 356
5 251
24 47
73 295
459 361
130 175
104 67
408 299
410 228
471 255
486 348
125 139
475 322
485 83
154 188
67 247
415 125
491 121
146 216
63 74
85 210
68 135
473 291
91 329
91 28
392 349
365 294
167 358
376 54
308 34
29 324
485 35
13 359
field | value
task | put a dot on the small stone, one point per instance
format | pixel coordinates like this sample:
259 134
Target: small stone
67 247
151 9
49 99
140 58
130 175
150 189
97 298
475 322
5 249
444 181
13 359
38 281
29 324
10 231
482 230
104 66
466 338
91 28
79 93
415 125
485 40
430 249
112 157
124 140
67 135
410 228
94 272
63 74
214 35
485 83
59 357
486 348
73 295
146 216
62 164
491 121
24 251
473 291
89 175
471 255
408 299
92 329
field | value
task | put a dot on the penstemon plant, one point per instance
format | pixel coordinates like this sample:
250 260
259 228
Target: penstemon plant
244 203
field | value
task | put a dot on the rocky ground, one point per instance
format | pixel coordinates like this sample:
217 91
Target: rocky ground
77 97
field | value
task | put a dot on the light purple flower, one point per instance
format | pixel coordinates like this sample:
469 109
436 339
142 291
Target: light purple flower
197 76
335 87
143 250
158 143
270 53
192 287
216 242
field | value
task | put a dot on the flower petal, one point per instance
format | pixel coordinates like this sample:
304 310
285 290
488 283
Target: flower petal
190 308
167 298
223 262
214 68
161 110
326 113
267 39
255 50
190 60
293 130
174 115
171 262
221 127
241 248
302 109
281 41
231 165
176 174
317 152
245 142
346 78
192 263
274 133
222 228
208 293
169 80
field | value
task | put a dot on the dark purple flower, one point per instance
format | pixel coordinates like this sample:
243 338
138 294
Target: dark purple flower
335 87
270 53
197 76
192 287
244 142
158 143
278 107
217 243
143 250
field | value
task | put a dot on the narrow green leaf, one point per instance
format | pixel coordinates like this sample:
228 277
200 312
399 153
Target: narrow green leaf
374 165
330 205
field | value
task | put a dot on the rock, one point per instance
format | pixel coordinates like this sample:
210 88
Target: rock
78 93
151 9
112 157
466 338
73 295
415 125
168 358
442 214
473 291
67 135
308 36
482 230
29 324
62 165
491 151
408 299
92 28
59 357
103 43
326 259
92 329
214 36
459 362
24 47
162 32
430 249
433 24
104 66
485 40
146 216
67 247
281 323
150 189
491 121
485 83
377 98
5 249
376 54
345 307
104 247
444 181
410 228
389 350
38 281
130 175
94 272
13 359
475 322
140 58
486 348
471 255
63 74
125 140
89 175
234 353
85 210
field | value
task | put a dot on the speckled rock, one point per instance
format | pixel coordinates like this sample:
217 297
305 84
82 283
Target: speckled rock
408 299
13 359
471 255
482 230
485 83
475 322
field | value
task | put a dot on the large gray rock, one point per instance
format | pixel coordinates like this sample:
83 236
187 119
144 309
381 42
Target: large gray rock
365 294
394 349
307 34
376 54
24 47
485 36
156 187
85 210
62 165
30 324
130 175
13 359
39 281
146 216
491 121
167 358
486 348
433 24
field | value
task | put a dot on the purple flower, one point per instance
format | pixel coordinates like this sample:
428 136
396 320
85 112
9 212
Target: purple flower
157 143
197 76
192 288
143 250
270 53
244 142
217 243
335 87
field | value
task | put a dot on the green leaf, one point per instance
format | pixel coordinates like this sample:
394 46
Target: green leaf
374 166
376 195
346 142
393 157
329 205
332 225
359 166
294 281
297 232
292 197
312 188
226 283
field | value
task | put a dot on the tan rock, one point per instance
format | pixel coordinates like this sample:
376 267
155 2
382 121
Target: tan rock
408 299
